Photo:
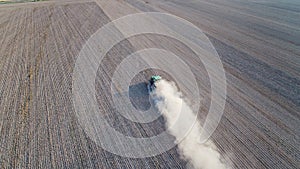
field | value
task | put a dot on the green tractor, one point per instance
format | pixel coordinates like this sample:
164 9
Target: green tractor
152 81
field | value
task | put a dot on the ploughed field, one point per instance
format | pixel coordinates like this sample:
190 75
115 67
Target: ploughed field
257 41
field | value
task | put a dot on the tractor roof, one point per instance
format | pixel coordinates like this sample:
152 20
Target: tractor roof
156 77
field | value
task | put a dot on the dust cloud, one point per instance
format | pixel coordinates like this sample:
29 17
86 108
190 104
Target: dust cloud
169 101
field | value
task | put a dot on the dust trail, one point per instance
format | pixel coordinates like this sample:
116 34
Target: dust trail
170 103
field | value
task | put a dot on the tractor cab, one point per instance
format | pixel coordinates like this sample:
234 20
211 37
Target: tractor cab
152 81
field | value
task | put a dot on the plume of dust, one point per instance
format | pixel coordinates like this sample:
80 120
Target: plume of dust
170 103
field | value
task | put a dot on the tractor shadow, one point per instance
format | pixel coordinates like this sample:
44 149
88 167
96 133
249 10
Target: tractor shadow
139 96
